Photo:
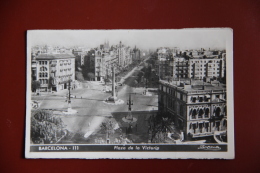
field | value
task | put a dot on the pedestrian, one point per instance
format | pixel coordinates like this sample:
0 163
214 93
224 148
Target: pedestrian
81 97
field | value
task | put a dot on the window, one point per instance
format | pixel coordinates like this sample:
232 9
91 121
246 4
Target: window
200 127
194 127
193 99
194 113
201 112
217 112
206 126
206 113
206 98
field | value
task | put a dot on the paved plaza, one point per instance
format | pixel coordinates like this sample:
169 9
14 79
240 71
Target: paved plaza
88 101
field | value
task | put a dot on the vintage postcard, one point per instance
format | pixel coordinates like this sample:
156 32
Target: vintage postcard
127 94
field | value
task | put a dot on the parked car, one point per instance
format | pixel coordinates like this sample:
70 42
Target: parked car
119 84
71 96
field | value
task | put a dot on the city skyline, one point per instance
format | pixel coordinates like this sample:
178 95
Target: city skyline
144 39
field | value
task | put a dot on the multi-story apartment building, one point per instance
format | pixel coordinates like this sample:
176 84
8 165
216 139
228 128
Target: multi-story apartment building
103 62
180 68
124 55
53 71
165 63
99 61
210 67
136 54
193 66
198 109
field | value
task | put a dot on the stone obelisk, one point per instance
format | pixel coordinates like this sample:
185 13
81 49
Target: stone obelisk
113 98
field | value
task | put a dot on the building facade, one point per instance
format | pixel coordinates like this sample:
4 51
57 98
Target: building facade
197 109
54 71
99 61
210 67
124 55
189 64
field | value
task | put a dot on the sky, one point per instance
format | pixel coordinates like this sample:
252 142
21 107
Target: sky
144 39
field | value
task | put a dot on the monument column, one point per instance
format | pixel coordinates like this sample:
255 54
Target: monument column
113 83
113 98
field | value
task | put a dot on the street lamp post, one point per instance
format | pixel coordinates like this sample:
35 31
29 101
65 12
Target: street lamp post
129 118
69 101
70 110
130 103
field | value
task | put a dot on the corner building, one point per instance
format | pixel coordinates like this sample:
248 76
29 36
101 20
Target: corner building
196 108
54 71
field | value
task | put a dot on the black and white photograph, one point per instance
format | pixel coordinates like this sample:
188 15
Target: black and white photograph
128 94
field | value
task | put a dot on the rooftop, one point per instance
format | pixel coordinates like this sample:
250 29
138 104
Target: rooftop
195 85
54 56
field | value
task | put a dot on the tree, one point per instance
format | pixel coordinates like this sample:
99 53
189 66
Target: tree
84 71
148 72
79 76
46 128
106 80
161 126
91 75
50 82
35 85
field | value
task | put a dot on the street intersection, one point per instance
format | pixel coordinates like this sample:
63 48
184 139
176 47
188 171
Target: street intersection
91 109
